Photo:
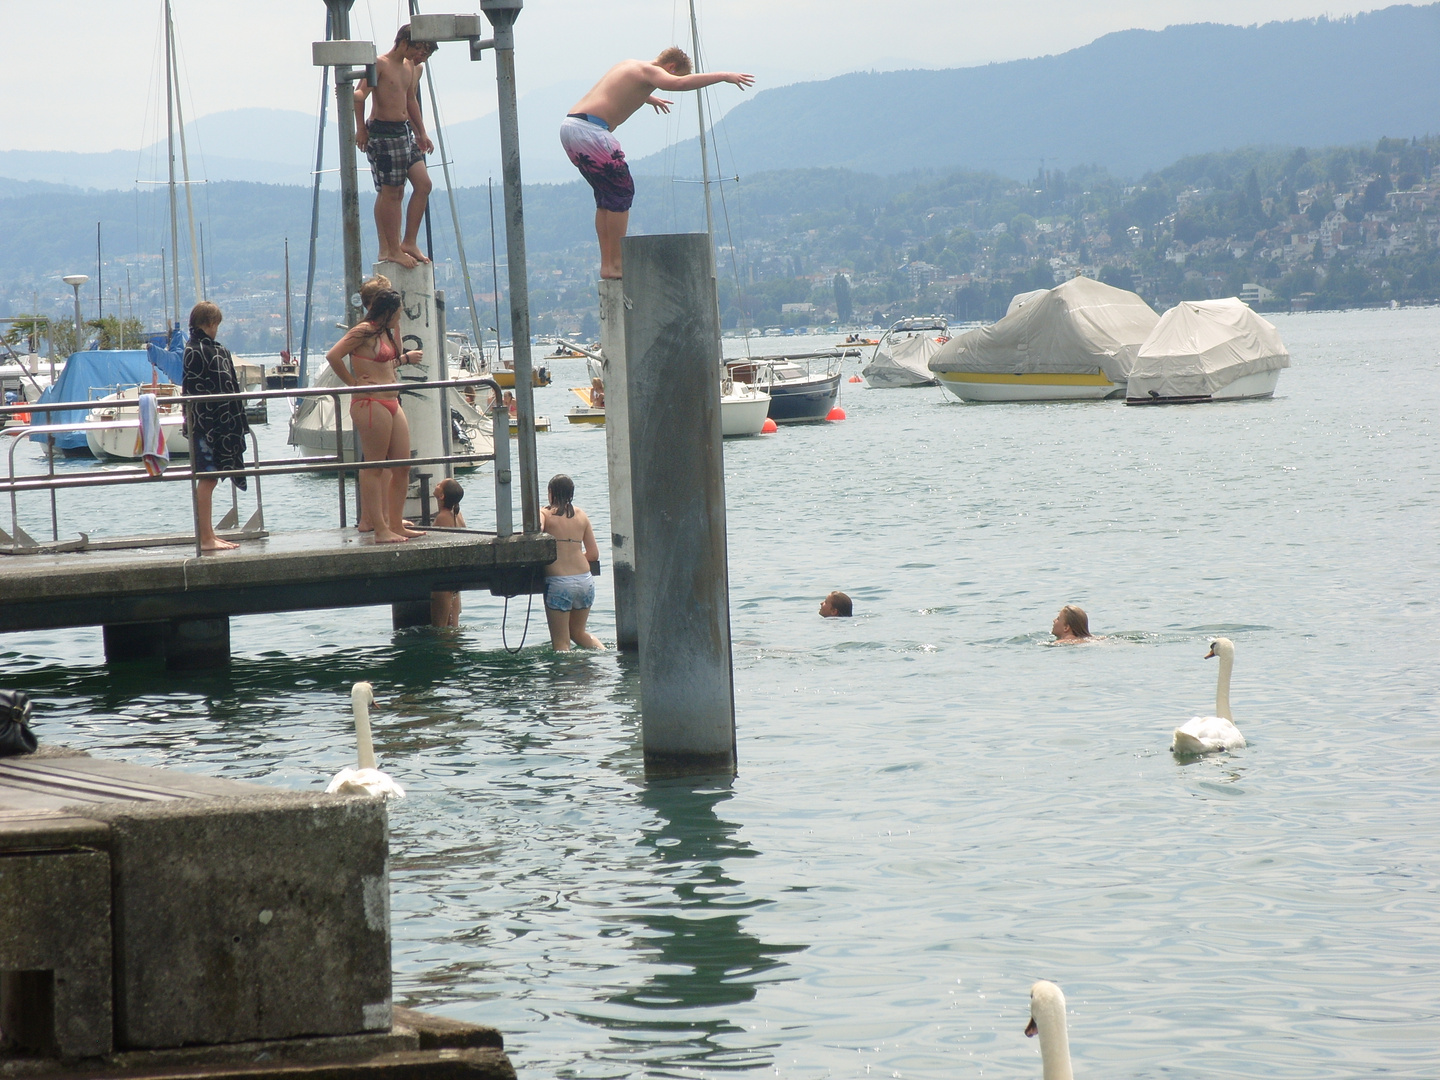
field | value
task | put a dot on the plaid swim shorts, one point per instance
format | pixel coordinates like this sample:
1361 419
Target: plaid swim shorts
392 149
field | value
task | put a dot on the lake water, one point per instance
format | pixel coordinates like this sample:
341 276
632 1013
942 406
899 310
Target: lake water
934 807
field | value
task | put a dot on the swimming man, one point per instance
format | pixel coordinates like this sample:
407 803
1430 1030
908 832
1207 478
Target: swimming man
587 135
396 144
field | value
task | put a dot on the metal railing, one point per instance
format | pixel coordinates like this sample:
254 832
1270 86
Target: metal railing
17 541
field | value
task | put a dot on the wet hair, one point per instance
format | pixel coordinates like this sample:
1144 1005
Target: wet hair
204 314
450 494
562 494
402 36
841 603
373 287
1076 619
676 56
384 304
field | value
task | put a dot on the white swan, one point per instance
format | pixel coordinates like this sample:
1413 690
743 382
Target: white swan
367 779
1207 734
1047 1019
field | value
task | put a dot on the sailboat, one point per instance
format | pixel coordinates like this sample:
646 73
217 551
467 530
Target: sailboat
122 404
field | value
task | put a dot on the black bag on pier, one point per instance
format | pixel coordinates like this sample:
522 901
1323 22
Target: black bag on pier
15 734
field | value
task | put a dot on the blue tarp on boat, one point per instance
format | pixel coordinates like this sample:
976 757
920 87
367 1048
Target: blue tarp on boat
91 375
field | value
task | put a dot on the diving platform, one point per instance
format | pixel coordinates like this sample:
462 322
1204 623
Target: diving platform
166 600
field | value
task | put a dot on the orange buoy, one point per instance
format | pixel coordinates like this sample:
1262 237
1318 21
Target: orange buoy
769 427
836 413
23 418
856 378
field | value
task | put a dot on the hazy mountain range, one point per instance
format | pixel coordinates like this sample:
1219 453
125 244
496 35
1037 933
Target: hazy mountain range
1129 101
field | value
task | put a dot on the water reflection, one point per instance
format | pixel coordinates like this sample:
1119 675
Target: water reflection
699 955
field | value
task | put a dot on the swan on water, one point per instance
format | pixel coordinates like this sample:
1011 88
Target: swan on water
367 779
1047 1019
1208 734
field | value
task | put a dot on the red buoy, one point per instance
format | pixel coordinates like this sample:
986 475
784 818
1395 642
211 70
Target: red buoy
856 378
769 427
836 413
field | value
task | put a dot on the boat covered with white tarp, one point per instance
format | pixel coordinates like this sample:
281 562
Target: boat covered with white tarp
1076 341
902 357
1207 350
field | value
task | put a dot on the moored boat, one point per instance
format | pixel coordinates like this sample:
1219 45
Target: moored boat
124 405
1075 342
1207 350
902 357
803 388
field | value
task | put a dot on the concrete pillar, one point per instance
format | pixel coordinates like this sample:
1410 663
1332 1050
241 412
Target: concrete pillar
419 329
617 454
672 356
195 644
134 641
407 613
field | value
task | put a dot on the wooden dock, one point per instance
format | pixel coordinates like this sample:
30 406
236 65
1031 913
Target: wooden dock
292 571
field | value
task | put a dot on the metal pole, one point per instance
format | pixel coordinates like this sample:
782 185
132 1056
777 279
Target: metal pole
349 184
79 341
672 338
170 154
314 217
502 15
443 375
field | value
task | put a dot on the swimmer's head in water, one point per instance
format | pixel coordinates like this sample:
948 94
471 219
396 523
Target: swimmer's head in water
1072 622
562 495
836 606
449 493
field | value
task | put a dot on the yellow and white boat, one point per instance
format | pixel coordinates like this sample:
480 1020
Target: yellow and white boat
1075 342
587 412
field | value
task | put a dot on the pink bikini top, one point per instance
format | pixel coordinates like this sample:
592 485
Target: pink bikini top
384 346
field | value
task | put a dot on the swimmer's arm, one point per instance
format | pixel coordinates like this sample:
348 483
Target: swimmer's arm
362 133
659 104
661 79
592 549
336 357
417 118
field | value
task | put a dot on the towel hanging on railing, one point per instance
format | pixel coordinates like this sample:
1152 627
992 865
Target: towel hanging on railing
150 443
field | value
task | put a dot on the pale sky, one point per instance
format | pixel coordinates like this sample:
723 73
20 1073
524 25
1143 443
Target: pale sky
95 84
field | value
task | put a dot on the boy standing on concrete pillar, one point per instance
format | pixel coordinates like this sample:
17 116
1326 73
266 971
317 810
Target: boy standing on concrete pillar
586 135
396 144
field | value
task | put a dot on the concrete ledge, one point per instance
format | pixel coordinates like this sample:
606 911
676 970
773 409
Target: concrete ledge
420 1045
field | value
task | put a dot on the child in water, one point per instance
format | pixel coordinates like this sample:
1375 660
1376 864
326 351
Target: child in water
445 606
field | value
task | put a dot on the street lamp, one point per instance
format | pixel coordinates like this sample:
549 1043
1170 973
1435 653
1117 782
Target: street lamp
75 281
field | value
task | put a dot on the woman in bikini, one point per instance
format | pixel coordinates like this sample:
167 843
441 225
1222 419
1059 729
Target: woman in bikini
374 351
569 588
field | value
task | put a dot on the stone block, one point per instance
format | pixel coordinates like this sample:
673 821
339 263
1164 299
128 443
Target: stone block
55 988
248 918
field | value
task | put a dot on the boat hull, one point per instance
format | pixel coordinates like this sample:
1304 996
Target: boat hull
586 415
1258 384
743 414
505 379
976 386
803 403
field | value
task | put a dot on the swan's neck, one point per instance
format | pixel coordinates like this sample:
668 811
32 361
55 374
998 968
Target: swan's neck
365 747
1054 1042
1222 687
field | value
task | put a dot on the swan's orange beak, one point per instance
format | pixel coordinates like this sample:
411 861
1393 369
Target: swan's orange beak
1032 1029
1211 654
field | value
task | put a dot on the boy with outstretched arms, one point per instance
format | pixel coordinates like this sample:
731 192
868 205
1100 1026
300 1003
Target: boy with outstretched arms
586 134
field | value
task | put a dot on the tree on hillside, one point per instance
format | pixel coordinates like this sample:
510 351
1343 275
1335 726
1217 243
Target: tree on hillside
844 310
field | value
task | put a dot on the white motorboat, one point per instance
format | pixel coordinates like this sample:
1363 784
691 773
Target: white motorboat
743 409
803 387
124 443
312 425
252 379
1207 350
903 356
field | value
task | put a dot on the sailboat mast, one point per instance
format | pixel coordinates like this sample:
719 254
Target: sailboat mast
185 162
170 153
700 108
289 355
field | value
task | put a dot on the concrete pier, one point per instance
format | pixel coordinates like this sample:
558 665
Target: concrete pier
617 456
672 355
165 923
164 601
419 329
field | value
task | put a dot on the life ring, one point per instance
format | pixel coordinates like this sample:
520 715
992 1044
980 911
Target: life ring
941 340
